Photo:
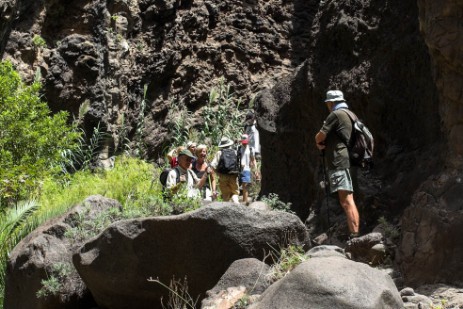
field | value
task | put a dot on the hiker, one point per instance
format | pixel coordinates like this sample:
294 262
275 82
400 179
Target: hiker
191 146
248 163
251 130
183 177
200 167
338 128
172 156
225 164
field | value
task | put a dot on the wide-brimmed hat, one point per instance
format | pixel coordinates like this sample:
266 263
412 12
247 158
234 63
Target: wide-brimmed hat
334 96
225 142
187 153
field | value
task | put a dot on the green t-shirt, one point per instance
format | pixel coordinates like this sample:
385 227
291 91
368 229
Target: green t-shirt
338 128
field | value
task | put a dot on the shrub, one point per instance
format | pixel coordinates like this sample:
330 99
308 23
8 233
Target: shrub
55 281
222 116
274 202
285 260
31 139
38 41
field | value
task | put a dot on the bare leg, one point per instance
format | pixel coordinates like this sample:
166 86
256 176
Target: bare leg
346 199
245 192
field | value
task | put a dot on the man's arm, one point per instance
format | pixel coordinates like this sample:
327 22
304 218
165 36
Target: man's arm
320 140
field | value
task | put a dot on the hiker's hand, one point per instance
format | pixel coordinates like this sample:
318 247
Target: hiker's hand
182 178
209 170
321 146
214 195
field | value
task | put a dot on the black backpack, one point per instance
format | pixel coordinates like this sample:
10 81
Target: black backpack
361 144
228 162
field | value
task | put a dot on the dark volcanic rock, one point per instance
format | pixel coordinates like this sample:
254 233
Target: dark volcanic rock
200 245
104 53
431 249
331 282
384 69
35 258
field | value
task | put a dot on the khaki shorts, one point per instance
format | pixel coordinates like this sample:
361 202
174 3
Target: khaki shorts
228 185
340 180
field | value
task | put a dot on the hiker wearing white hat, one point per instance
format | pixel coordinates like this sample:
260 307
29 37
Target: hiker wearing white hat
331 140
225 164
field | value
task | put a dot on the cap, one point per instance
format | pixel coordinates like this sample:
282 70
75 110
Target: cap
190 144
225 142
187 153
244 139
334 96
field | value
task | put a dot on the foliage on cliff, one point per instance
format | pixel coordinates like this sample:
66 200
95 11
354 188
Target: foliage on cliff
31 138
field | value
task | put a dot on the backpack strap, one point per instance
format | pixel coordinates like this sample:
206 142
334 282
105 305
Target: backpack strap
353 118
238 157
178 174
351 115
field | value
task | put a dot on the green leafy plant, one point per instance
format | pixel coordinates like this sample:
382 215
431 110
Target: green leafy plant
274 202
85 155
84 229
55 281
390 231
38 41
242 303
31 138
285 260
222 115
181 203
179 124
15 224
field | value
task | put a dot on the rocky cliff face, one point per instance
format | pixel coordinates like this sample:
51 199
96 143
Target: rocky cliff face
384 69
103 53
399 65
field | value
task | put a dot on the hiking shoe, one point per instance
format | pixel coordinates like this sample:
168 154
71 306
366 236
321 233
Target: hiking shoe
353 235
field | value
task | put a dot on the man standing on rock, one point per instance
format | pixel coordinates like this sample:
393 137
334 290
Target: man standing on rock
336 129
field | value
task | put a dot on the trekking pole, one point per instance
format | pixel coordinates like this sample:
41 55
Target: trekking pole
325 185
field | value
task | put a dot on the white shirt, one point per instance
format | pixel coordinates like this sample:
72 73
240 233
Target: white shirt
192 180
254 139
246 153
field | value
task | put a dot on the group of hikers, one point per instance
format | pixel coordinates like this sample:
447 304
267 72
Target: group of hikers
233 165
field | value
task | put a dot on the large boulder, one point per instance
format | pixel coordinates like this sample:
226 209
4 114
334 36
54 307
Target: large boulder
199 245
37 257
431 248
441 29
332 282
250 273
243 277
